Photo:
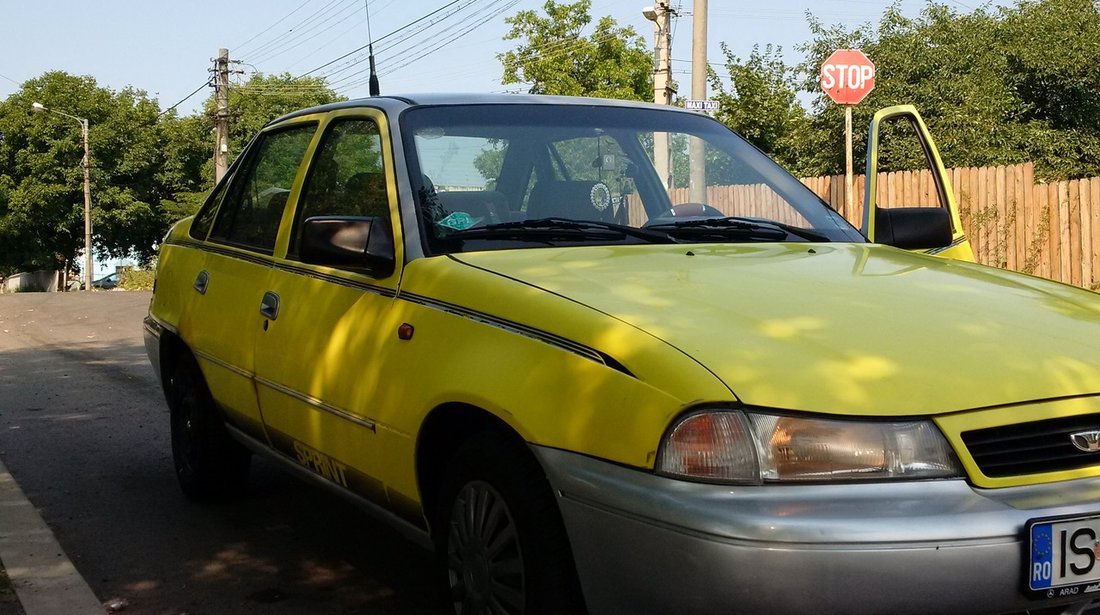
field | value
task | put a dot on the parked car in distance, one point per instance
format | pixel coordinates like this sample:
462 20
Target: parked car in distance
510 326
107 282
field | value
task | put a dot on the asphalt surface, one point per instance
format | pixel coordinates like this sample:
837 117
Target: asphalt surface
84 432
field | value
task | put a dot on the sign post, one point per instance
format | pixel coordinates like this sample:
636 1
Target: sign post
848 76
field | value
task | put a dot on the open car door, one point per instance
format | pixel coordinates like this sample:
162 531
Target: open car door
928 222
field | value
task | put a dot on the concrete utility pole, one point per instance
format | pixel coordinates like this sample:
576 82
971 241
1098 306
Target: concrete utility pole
662 82
221 120
697 154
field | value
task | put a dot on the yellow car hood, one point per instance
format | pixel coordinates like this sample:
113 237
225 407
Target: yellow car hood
836 328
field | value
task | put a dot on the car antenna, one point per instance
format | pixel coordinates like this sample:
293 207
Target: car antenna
374 89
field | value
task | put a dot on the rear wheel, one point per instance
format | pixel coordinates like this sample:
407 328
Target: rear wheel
209 463
501 541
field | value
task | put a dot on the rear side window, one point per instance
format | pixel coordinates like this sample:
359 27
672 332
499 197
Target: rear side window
348 177
249 215
200 227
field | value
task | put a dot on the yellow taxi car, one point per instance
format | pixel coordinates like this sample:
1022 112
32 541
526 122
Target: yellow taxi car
608 357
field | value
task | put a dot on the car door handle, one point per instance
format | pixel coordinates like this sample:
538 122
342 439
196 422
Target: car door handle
201 281
269 306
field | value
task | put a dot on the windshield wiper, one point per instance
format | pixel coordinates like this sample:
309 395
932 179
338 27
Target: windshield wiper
565 228
767 230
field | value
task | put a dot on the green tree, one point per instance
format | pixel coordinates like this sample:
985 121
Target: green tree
41 176
996 88
555 56
762 102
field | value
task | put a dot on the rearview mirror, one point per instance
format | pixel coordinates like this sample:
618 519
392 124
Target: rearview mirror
913 228
348 241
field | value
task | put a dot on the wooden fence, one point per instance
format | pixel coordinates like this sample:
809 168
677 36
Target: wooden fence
1046 229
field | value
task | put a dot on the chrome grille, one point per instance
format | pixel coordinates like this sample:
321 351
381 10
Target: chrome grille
1032 448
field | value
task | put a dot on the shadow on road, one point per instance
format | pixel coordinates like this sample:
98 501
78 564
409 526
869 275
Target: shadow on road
84 430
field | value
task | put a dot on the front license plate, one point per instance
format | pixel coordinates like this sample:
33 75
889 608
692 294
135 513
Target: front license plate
1064 556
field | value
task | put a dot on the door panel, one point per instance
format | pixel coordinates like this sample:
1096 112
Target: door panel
229 285
316 363
916 141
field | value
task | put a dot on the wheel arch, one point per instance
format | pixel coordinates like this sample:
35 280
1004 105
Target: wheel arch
442 433
172 349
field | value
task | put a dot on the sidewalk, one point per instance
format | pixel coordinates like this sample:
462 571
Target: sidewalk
37 577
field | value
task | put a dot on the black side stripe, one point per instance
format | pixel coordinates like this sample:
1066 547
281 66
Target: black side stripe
519 329
488 319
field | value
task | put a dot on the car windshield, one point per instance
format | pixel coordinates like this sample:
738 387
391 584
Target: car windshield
490 177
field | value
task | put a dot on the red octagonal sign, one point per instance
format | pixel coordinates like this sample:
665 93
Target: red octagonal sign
847 76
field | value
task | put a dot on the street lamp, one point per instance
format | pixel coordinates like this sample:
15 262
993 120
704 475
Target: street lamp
87 192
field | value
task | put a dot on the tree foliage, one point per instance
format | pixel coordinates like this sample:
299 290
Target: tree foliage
148 169
995 88
41 173
762 103
555 56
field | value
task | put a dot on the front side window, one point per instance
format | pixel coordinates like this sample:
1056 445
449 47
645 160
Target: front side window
348 177
514 176
250 214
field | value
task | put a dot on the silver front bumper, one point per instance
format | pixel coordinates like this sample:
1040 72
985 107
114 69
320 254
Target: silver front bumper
648 544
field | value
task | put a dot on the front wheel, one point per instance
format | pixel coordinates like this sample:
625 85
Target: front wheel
209 463
501 540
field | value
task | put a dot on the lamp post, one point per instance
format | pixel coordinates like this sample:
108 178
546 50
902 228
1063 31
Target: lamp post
662 82
87 193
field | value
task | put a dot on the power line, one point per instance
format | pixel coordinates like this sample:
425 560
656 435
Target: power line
301 33
404 37
343 17
267 29
12 80
357 50
291 32
186 98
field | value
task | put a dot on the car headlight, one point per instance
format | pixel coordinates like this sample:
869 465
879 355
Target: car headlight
734 446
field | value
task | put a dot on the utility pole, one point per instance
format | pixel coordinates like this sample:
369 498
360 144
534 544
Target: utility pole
221 119
662 82
697 152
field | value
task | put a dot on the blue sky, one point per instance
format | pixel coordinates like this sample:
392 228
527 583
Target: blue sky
165 48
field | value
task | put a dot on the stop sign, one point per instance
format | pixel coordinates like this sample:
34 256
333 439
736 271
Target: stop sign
847 76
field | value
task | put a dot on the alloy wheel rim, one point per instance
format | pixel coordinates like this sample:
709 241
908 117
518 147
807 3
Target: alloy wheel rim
484 560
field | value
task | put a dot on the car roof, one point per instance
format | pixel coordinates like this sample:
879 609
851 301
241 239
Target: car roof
398 102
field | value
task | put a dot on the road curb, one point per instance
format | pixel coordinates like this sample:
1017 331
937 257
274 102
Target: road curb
45 580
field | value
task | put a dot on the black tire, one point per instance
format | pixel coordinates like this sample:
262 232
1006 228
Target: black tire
500 541
210 464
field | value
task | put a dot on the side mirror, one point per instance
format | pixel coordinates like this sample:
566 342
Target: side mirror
352 241
913 228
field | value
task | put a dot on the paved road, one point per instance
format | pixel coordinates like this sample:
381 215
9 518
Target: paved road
84 431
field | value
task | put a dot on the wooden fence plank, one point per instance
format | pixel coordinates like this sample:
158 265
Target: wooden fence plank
994 250
1094 193
1028 217
965 202
1042 221
1064 263
1087 205
1006 244
1074 200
